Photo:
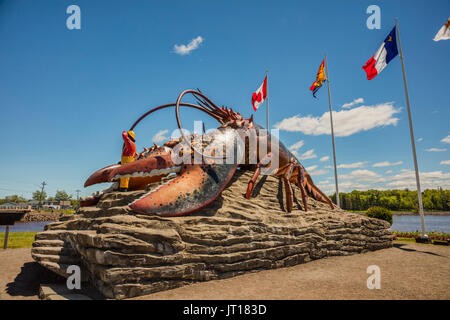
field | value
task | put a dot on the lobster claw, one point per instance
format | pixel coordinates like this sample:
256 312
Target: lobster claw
150 167
101 175
195 187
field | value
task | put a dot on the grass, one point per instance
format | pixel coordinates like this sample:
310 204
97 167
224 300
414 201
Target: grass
405 239
64 211
433 235
18 239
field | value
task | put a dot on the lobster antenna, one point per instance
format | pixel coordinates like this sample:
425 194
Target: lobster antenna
206 101
189 105
218 112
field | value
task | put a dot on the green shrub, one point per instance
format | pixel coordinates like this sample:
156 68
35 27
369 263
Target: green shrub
379 213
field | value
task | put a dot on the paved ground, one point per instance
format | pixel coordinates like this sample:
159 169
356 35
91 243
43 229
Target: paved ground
408 271
20 276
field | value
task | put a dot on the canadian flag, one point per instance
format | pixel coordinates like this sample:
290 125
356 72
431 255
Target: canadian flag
260 95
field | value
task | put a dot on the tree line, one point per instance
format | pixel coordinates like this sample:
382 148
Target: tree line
39 195
396 200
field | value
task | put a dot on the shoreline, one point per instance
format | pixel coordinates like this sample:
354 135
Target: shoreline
412 213
426 213
36 216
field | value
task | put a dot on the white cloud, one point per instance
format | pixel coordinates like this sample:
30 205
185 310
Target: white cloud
387 164
344 186
160 136
356 180
297 145
352 165
308 155
312 171
317 172
351 104
183 49
366 179
428 180
420 139
435 150
361 175
346 122
446 139
323 159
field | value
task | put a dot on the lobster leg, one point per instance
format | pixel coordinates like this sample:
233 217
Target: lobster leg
316 192
252 182
288 188
299 182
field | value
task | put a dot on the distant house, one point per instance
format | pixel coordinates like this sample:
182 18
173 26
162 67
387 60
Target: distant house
34 204
65 204
13 205
54 205
8 205
50 205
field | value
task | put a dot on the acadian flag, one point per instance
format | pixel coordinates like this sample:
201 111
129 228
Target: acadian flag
444 32
320 78
382 57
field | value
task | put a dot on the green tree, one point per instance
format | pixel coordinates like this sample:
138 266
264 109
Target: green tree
61 195
14 198
39 196
433 199
380 213
74 203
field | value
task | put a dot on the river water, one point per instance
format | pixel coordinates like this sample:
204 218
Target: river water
26 226
412 223
401 223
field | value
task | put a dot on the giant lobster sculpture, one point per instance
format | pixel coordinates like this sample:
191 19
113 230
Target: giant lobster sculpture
196 185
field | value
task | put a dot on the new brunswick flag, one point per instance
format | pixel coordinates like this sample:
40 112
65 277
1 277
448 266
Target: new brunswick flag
320 78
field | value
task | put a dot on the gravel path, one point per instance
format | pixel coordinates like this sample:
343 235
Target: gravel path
408 271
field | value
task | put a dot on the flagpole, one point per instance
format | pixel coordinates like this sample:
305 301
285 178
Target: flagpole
419 192
267 101
332 133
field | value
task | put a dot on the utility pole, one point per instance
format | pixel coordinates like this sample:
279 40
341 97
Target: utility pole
78 192
42 193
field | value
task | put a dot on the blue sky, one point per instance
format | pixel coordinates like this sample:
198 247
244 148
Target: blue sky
66 95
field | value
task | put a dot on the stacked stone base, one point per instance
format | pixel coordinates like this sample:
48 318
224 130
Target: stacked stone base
126 255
